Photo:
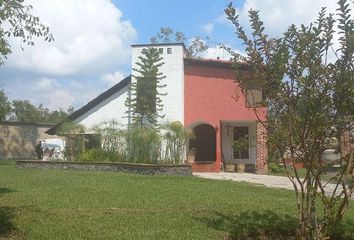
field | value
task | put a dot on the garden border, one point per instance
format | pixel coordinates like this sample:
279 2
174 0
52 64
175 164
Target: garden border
145 169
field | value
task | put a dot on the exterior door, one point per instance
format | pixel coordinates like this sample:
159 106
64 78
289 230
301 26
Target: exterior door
204 143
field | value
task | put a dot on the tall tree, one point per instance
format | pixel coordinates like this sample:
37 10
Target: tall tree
310 100
17 21
5 106
145 102
195 47
25 111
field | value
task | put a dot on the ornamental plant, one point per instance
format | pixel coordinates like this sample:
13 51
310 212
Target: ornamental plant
308 87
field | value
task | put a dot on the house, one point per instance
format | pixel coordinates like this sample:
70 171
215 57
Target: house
200 95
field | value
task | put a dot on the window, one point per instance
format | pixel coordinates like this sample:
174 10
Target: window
254 98
160 50
169 50
240 143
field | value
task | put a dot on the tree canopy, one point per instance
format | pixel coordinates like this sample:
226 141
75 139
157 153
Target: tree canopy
195 46
17 21
310 101
25 111
5 106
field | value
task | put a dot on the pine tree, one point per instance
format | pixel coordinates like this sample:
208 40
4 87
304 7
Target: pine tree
145 102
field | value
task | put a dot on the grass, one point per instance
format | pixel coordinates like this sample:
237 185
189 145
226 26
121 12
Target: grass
50 204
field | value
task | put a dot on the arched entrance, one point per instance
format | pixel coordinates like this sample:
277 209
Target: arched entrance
204 143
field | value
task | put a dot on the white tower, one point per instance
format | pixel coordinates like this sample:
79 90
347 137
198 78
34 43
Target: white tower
173 69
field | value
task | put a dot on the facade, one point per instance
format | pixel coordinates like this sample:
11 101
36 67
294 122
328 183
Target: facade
200 95
212 111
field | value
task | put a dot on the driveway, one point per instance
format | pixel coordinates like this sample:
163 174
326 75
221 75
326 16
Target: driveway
265 180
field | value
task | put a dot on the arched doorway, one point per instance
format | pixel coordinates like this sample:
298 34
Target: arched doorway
204 143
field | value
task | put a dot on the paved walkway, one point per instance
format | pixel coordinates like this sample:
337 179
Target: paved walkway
265 180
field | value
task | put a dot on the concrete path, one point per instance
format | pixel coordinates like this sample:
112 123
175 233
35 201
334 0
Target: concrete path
265 180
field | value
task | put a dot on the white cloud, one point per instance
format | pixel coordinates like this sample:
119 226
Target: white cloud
90 36
60 98
208 28
112 78
221 19
45 84
54 93
278 15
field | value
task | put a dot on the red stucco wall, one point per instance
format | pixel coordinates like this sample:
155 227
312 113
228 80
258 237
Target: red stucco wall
209 99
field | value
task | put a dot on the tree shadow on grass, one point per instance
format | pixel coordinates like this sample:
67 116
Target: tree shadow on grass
6 224
7 162
6 216
254 225
344 231
5 190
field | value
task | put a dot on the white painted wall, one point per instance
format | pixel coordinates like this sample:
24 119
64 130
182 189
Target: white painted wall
227 141
173 69
112 108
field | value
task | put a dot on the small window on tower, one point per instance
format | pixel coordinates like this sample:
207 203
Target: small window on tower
161 50
169 50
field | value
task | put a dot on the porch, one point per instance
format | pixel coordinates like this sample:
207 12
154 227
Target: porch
232 142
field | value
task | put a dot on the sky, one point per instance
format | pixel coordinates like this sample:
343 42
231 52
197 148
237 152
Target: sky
91 51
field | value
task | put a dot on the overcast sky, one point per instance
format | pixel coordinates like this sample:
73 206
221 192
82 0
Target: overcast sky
91 51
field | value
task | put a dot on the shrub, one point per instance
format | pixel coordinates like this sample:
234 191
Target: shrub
144 145
175 138
99 155
112 137
274 167
75 139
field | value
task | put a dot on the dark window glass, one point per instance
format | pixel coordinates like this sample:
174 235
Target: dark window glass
241 143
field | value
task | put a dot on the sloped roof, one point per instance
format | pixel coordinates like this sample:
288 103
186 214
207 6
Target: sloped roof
96 101
37 124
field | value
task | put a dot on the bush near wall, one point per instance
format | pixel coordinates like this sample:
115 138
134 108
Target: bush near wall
165 145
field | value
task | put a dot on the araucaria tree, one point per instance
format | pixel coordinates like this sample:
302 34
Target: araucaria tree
308 87
145 102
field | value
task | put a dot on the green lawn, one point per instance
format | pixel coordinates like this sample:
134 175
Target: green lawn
49 204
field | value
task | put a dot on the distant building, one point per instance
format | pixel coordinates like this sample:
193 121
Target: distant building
200 95
19 140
